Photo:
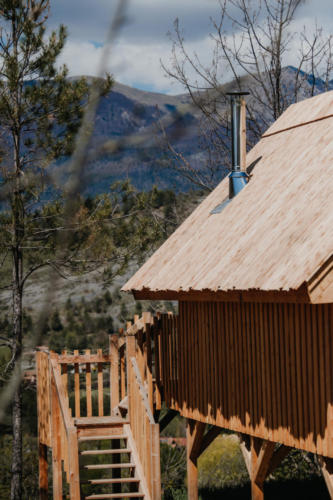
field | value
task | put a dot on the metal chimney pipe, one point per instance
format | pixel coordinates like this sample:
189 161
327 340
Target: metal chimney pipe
237 178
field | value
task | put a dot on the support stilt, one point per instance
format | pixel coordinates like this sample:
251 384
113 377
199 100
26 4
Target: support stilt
326 465
43 472
261 458
194 434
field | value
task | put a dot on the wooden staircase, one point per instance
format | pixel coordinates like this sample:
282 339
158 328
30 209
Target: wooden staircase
127 479
114 454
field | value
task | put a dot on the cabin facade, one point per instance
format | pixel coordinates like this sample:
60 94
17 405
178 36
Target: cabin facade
251 348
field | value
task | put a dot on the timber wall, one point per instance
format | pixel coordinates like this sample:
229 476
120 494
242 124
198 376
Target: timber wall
260 369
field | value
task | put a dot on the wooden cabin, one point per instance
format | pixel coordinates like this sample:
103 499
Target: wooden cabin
251 349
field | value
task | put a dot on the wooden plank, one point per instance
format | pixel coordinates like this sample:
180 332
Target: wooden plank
298 355
77 387
100 389
326 465
322 381
156 467
310 401
157 357
283 374
114 371
70 359
88 387
56 445
194 434
328 380
73 460
260 464
43 472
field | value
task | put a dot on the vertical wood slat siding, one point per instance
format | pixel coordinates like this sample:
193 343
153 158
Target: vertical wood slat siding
260 369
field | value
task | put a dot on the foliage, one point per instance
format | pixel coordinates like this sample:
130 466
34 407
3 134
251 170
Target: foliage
297 466
173 471
222 464
30 467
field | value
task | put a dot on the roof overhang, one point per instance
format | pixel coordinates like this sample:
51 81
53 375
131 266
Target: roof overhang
300 296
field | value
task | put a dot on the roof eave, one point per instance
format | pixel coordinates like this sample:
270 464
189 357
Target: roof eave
300 295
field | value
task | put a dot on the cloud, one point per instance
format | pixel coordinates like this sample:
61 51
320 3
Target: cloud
143 42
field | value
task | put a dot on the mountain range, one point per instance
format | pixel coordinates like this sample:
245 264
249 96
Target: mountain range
129 112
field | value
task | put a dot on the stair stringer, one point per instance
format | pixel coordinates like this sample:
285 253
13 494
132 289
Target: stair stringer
136 460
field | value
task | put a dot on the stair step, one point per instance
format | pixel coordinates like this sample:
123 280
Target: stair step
109 466
97 438
105 452
114 480
99 421
115 495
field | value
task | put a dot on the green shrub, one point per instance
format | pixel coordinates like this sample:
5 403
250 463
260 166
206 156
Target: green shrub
222 464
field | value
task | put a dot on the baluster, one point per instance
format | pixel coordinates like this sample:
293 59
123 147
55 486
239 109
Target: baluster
100 385
88 386
77 387
114 372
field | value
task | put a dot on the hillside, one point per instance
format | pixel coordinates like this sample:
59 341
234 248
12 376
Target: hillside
125 111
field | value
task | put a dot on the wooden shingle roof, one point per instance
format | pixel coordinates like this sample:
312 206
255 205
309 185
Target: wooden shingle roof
275 236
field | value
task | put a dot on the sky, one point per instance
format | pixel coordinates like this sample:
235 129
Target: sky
143 41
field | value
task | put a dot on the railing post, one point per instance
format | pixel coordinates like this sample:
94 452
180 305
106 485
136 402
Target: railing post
130 353
73 461
56 444
43 469
114 371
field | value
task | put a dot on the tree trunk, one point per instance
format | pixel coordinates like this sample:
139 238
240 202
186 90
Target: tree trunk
16 482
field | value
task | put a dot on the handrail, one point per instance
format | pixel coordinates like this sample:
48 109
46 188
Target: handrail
64 438
142 390
145 431
68 420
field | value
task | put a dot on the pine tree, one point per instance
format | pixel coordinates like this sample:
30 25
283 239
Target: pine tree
40 111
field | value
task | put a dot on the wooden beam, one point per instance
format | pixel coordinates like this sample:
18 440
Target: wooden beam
194 434
167 418
245 446
209 437
43 470
277 458
56 443
114 371
261 454
326 465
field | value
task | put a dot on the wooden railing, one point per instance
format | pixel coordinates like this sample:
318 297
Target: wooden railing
91 377
144 430
64 437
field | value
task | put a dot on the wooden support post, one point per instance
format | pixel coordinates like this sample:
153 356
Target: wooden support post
245 446
194 434
261 454
326 465
130 353
167 418
74 468
155 460
43 469
114 372
209 437
56 444
147 318
158 396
